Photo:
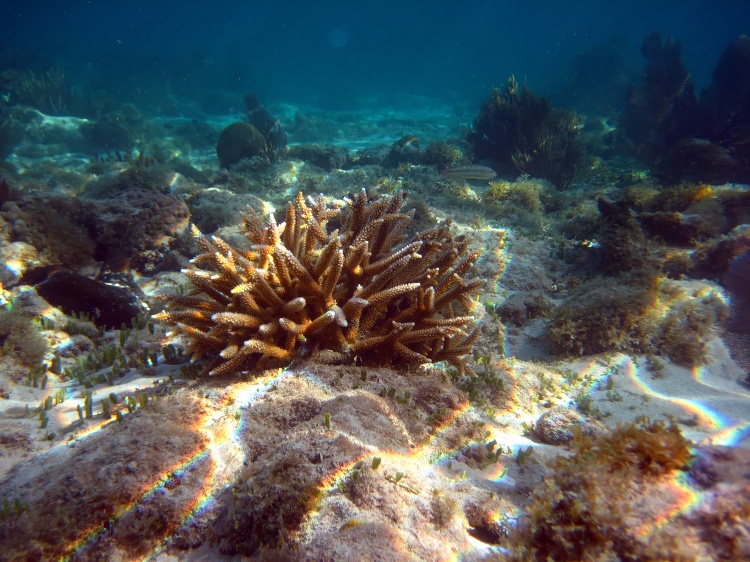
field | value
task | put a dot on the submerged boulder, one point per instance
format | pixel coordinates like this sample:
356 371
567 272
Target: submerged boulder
108 305
237 141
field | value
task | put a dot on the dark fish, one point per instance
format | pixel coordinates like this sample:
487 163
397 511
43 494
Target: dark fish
473 172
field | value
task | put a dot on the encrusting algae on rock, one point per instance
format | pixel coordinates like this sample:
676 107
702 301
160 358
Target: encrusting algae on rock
359 293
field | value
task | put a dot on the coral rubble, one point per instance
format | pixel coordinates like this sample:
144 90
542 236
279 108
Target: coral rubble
359 293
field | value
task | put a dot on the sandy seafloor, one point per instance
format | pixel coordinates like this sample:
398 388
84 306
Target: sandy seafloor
171 479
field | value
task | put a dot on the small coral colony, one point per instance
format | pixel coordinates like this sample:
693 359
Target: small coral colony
304 253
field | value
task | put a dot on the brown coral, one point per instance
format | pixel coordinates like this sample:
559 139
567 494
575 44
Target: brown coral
359 293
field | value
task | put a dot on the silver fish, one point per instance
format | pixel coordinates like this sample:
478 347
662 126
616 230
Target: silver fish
472 172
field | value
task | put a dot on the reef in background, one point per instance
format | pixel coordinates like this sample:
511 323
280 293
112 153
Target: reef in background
681 138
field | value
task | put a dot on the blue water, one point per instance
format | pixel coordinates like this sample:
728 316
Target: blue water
342 54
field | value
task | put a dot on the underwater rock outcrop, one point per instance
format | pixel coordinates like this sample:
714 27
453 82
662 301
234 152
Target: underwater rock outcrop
405 150
329 157
524 134
237 141
600 497
361 292
11 132
623 245
100 481
115 131
259 135
108 305
639 311
144 232
135 228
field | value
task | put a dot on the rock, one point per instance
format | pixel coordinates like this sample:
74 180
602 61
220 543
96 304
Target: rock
237 141
109 306
371 156
16 257
678 228
326 156
214 208
623 245
227 547
520 307
137 226
556 426
187 540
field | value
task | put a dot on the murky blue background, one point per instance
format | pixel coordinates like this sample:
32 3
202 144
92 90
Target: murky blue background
341 54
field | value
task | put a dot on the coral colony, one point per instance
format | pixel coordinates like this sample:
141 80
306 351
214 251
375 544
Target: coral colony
360 293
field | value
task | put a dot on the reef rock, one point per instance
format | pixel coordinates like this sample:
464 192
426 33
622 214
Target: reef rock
557 426
135 228
237 141
108 305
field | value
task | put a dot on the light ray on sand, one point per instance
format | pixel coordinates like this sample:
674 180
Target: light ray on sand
706 415
242 395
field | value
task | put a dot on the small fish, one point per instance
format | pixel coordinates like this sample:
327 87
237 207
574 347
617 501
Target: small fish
473 172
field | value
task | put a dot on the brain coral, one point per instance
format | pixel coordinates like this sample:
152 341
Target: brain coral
360 293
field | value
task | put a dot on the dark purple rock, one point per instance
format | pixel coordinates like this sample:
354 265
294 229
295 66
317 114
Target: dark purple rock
109 305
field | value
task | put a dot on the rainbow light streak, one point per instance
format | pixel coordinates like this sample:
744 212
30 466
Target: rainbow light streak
418 453
92 425
503 262
173 181
245 394
732 436
706 416
242 395
698 376
512 392
498 473
591 368
681 497
15 267
662 306
444 424
333 479
177 468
